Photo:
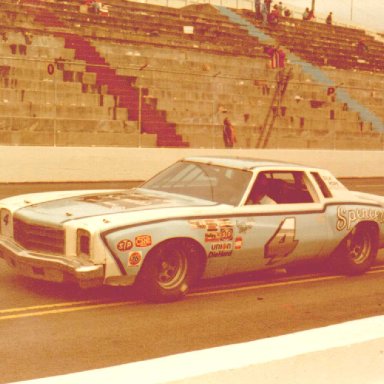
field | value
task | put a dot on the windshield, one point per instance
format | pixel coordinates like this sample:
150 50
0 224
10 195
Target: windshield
203 181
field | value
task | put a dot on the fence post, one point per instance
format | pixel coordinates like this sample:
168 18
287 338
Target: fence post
139 114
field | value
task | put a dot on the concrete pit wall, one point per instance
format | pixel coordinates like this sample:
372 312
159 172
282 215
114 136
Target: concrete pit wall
64 164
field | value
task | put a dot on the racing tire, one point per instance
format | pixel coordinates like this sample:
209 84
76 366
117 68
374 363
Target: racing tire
357 252
168 272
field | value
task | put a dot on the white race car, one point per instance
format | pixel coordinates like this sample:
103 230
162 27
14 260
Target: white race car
202 217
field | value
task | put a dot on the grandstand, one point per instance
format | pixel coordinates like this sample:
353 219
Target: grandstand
148 75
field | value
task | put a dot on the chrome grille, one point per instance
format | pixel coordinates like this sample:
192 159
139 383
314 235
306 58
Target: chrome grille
38 238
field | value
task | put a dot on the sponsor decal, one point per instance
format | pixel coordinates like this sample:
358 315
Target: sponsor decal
216 229
212 236
347 218
211 224
134 259
220 250
244 226
238 242
124 245
143 241
224 234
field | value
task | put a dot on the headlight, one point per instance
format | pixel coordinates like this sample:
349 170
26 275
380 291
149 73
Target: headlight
83 243
6 222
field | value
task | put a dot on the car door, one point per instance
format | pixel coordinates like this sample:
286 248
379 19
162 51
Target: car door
292 229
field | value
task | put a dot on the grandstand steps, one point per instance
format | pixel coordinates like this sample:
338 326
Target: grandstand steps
140 56
323 139
68 131
53 97
77 139
152 121
50 111
334 46
46 85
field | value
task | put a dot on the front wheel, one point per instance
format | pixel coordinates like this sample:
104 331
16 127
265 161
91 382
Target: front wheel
167 273
357 252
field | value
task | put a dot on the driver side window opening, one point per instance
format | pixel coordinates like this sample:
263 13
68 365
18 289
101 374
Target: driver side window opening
280 187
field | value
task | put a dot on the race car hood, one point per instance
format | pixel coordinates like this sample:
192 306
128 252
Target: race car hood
56 212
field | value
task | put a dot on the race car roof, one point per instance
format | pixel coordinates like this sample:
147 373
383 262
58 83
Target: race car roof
242 162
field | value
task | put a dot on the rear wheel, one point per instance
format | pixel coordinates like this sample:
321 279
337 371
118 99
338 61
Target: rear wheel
168 271
357 252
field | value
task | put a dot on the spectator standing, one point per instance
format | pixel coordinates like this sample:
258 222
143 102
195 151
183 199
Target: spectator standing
95 6
328 20
258 9
287 12
277 56
273 17
280 8
361 47
264 13
268 5
308 14
229 135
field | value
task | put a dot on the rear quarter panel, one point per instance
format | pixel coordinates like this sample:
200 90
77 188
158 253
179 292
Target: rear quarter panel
350 215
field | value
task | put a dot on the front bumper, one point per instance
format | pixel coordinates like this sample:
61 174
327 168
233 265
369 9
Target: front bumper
49 267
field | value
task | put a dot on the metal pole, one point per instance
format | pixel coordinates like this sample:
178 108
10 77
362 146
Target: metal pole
55 101
351 9
313 5
139 116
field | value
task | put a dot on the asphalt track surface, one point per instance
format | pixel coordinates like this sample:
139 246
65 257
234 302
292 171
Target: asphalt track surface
48 329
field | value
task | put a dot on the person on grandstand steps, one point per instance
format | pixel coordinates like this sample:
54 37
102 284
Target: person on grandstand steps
268 5
274 16
361 47
328 20
229 135
258 9
264 13
287 12
280 8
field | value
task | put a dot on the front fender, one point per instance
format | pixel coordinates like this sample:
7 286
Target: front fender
130 245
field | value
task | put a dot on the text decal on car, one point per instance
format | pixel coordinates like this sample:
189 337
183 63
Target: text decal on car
143 241
124 245
346 218
283 241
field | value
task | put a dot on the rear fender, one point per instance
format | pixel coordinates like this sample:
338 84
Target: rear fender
349 216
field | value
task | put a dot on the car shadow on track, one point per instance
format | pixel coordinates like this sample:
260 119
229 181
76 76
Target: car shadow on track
71 292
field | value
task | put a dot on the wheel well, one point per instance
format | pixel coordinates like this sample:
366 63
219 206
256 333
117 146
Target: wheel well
340 259
197 253
373 226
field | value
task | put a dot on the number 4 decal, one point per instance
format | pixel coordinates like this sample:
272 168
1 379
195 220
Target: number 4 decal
282 243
